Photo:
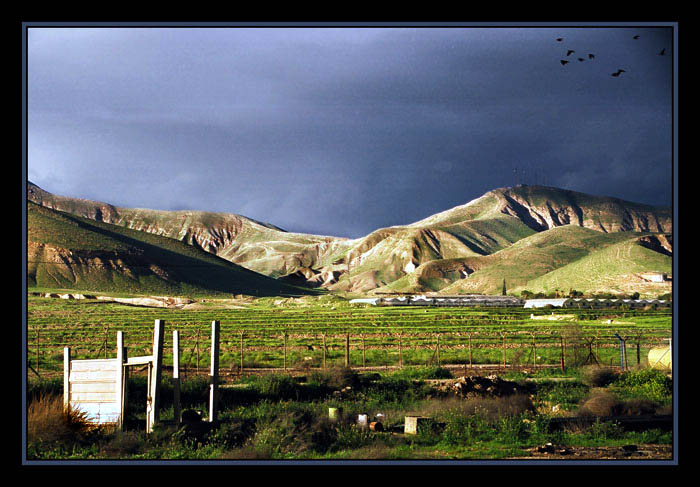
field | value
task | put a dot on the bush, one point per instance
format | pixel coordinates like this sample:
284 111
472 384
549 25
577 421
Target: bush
123 443
603 404
639 407
599 376
233 434
276 386
294 432
337 378
646 383
461 429
48 423
566 394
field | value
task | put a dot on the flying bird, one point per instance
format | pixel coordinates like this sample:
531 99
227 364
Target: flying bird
619 72
563 62
569 52
591 56
635 37
559 39
581 59
662 51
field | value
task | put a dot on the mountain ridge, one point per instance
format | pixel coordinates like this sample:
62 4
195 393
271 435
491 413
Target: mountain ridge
482 227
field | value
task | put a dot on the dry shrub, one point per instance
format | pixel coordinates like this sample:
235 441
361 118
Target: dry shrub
247 452
602 404
371 452
599 376
47 422
337 377
639 407
490 408
123 444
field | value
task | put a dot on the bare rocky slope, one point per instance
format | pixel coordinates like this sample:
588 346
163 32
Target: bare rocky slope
482 227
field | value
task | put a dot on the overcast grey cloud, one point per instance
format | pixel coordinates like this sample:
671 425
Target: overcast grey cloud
340 131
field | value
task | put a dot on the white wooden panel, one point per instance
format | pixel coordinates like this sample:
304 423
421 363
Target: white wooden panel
106 386
142 360
85 365
93 376
77 397
99 412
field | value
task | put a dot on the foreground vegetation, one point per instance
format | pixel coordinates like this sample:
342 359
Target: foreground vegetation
283 417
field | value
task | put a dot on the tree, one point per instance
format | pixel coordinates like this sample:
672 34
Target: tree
503 292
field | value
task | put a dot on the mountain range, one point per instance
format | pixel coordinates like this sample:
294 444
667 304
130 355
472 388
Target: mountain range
537 238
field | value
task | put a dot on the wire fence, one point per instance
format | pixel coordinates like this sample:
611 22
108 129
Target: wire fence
244 350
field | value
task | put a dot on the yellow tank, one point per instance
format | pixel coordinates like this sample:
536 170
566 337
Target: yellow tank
660 358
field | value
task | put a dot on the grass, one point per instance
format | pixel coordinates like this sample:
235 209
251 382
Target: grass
607 268
278 417
375 333
541 261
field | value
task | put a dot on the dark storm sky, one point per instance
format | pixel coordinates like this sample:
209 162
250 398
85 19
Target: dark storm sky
340 131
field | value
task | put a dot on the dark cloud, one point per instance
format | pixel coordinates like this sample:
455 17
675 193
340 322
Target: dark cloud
342 131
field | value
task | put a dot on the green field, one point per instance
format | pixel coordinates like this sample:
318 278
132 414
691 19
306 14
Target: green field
318 328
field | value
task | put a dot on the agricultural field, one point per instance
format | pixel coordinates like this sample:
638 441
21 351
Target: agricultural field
278 381
313 332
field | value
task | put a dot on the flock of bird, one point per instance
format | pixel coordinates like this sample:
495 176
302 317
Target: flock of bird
569 52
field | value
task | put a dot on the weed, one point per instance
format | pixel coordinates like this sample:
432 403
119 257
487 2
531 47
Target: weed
601 404
599 376
646 383
123 444
49 423
233 434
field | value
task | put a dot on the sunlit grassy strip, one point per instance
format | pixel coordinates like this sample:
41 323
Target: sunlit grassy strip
58 323
262 350
325 323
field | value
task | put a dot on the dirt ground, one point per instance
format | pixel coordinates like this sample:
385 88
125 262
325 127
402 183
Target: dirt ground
632 452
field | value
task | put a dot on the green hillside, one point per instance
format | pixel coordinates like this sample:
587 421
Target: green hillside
70 252
522 262
520 233
610 269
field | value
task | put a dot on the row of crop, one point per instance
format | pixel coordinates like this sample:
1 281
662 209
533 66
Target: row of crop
378 349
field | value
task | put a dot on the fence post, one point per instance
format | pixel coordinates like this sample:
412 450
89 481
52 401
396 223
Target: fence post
534 350
66 375
176 376
347 350
563 351
214 371
438 349
196 345
285 350
622 351
241 367
37 350
639 339
363 350
154 414
470 350
503 346
119 382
